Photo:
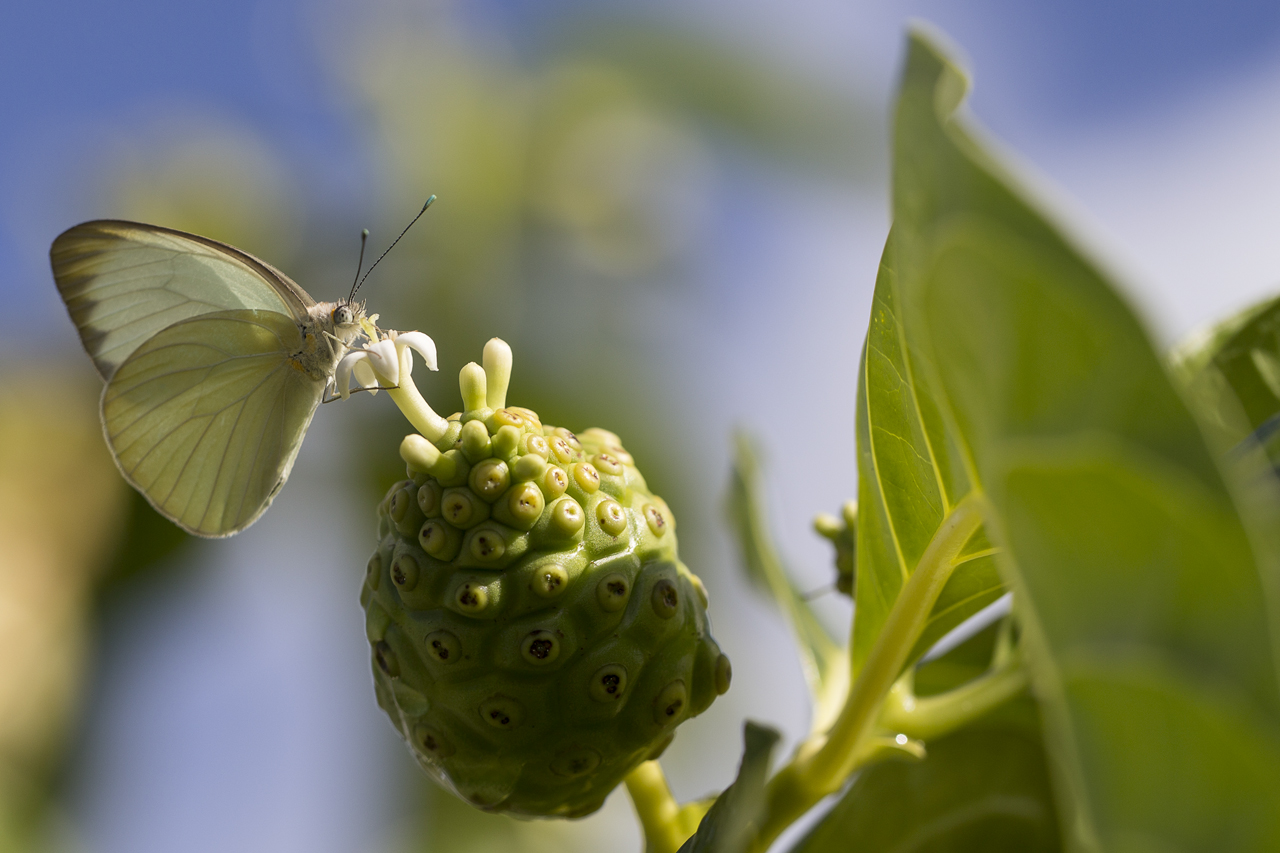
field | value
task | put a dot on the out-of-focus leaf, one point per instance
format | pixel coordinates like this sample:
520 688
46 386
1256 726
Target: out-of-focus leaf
983 788
771 108
1143 612
910 476
60 504
1232 375
148 540
968 660
826 664
730 824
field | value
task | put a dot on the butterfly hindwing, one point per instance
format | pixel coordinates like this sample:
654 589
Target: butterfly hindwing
123 282
206 417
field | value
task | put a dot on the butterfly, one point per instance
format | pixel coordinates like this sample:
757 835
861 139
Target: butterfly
214 363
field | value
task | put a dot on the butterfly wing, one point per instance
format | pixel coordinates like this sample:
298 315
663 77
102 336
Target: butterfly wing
206 417
124 282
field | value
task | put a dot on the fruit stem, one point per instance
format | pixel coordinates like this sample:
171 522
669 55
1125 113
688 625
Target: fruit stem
666 824
824 761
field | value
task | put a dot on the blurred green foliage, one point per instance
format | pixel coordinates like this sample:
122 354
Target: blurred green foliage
61 503
55 573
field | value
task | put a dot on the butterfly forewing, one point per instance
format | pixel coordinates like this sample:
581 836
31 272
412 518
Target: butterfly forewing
124 282
205 418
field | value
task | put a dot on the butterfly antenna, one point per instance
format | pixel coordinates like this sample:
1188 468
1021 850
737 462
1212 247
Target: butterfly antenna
364 238
393 244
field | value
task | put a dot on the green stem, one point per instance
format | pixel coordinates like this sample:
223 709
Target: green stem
823 763
933 716
825 662
660 815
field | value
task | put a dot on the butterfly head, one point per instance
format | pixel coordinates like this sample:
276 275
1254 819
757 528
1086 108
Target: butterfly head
346 315
349 319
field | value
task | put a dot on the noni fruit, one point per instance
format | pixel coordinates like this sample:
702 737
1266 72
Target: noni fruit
534 634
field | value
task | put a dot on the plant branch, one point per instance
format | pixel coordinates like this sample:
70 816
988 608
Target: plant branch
933 716
666 824
823 763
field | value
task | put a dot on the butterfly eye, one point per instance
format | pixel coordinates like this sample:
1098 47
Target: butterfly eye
342 315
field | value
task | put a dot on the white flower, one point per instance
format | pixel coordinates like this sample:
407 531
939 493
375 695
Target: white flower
380 363
420 342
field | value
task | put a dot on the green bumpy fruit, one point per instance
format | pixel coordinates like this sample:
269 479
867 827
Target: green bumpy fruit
535 636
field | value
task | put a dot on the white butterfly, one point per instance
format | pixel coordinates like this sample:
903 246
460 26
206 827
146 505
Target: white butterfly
214 361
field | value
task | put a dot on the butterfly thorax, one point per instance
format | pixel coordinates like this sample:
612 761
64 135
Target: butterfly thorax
326 335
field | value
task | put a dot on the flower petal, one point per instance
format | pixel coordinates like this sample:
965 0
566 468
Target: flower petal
420 342
365 376
385 361
342 376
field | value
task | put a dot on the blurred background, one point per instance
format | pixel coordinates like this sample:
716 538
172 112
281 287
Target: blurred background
672 211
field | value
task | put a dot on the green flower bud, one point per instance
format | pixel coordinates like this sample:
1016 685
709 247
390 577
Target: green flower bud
842 533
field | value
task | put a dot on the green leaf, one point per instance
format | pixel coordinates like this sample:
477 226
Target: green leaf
1232 376
984 788
825 662
968 660
910 475
1140 599
729 827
